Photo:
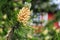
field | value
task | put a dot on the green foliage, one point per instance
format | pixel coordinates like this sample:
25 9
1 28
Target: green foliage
8 19
28 0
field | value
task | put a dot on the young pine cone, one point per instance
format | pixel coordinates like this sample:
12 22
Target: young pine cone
24 15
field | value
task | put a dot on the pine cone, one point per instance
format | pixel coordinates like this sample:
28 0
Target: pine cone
24 15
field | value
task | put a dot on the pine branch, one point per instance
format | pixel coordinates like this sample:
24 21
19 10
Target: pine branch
10 33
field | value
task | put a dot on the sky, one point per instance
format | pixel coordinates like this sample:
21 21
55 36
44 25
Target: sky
57 2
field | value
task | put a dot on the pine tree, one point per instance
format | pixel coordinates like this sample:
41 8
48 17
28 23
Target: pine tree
15 17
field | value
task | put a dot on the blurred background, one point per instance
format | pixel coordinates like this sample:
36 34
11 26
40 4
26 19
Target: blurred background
29 19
